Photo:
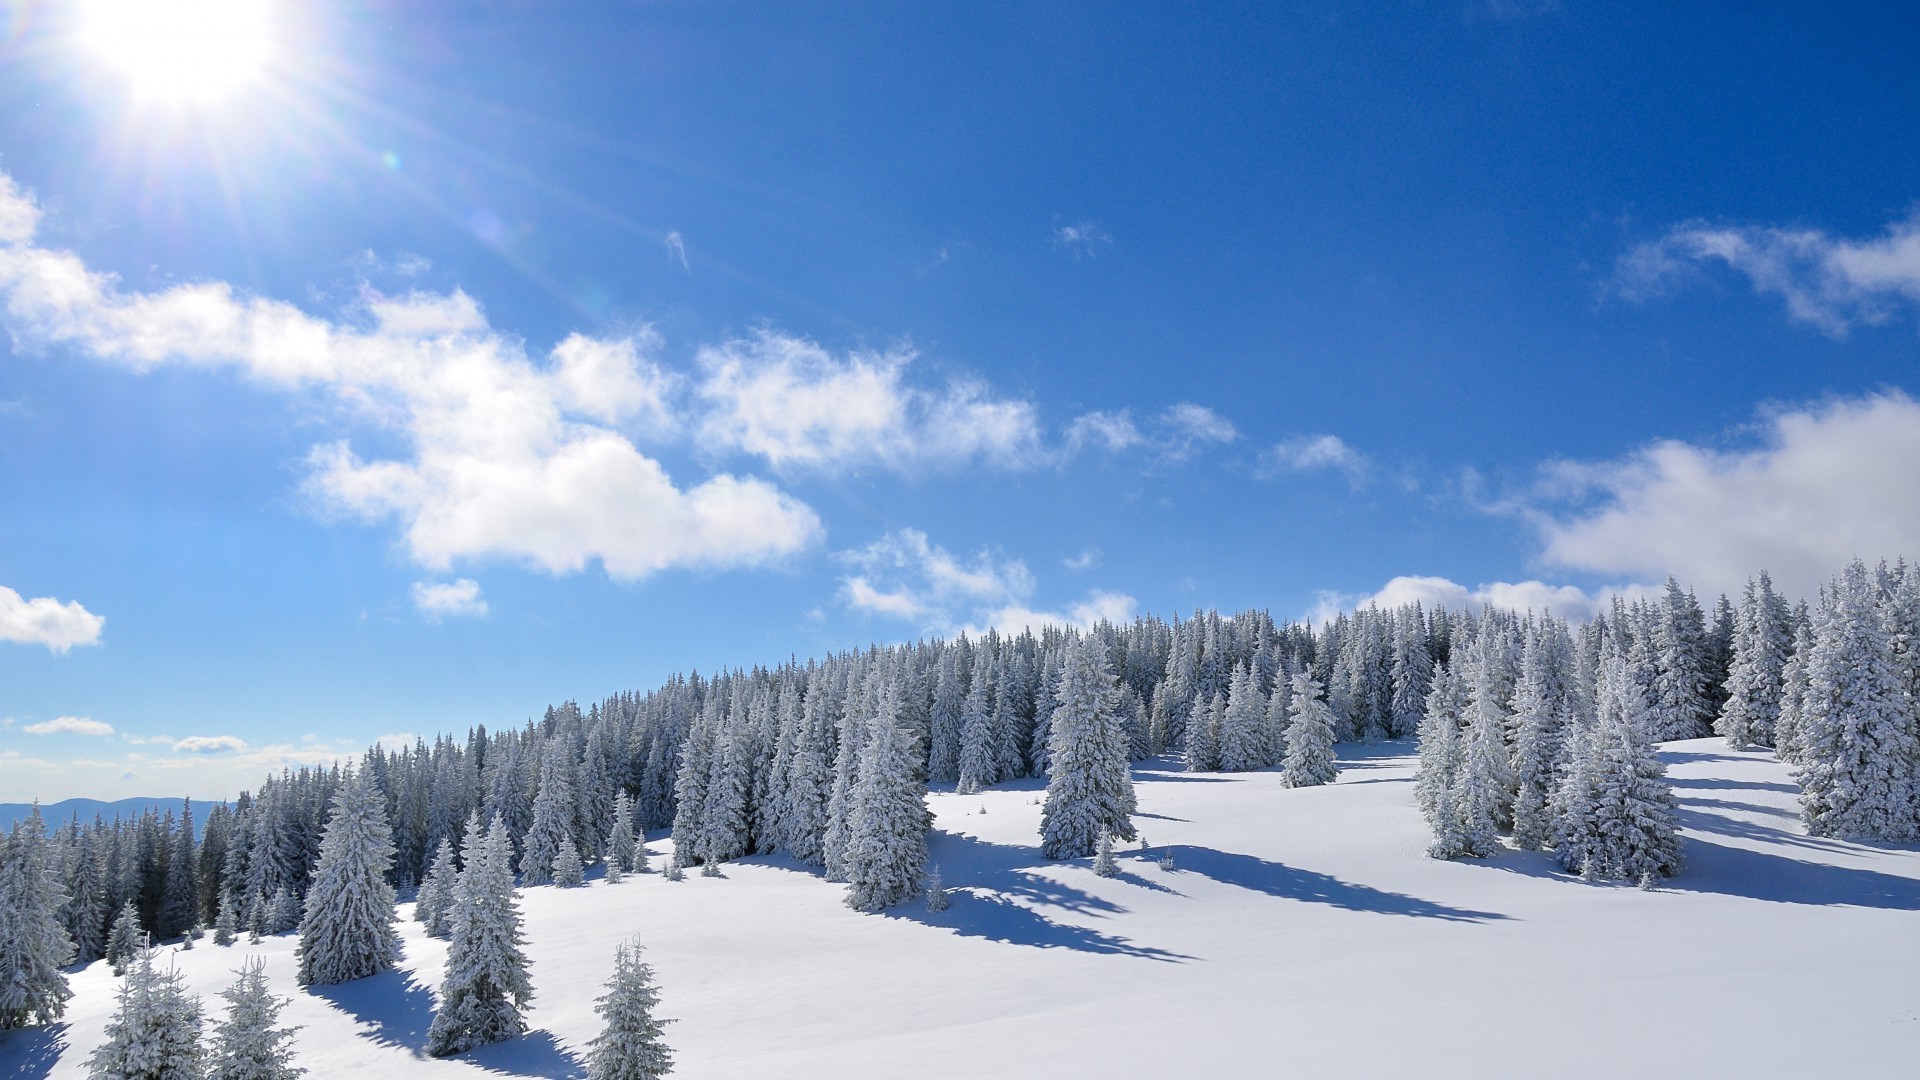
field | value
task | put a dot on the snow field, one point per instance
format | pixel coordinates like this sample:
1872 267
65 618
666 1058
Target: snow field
1301 931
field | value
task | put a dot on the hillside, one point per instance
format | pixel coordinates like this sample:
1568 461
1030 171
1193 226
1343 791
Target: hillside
1300 931
58 814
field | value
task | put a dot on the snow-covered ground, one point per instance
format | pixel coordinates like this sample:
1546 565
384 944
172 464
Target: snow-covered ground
1299 932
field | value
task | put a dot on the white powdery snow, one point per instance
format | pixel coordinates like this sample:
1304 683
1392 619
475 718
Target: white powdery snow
1299 929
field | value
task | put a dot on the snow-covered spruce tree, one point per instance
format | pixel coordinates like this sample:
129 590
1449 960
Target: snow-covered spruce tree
180 894
155 1030
485 987
34 946
568 873
435 899
979 761
1489 672
888 820
226 924
1682 701
1469 812
620 845
553 808
1277 720
1243 744
723 822
1756 678
1793 687
283 911
126 939
348 931
1617 817
247 1045
631 1044
1090 782
1310 760
1543 705
1103 863
85 913
1859 770
936 891
949 707
1440 747
1203 734
1411 674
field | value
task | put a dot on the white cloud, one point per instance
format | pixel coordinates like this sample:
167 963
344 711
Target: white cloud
1308 453
1826 483
1111 431
1086 560
70 725
1084 239
1566 601
210 744
506 457
46 621
1197 423
395 741
904 575
677 250
1832 282
789 401
455 599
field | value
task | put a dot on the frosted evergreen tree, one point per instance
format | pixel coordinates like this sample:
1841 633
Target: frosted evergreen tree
155 1030
1277 720
348 931
888 820
126 939
1484 672
1616 808
1543 708
631 1044
1762 643
979 761
1681 701
1243 744
1203 735
1103 863
568 873
936 890
1859 768
1793 689
283 911
810 775
1468 816
1411 676
723 821
180 896
949 712
227 923
553 811
434 902
247 1045
1310 759
85 913
1089 782
485 987
620 843
1440 747
34 946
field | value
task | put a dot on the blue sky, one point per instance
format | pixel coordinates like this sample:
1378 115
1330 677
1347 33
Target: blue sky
444 368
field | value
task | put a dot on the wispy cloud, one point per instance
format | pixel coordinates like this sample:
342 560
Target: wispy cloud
1083 240
905 576
70 725
1833 283
677 250
1567 601
210 744
1086 560
45 621
1311 453
449 599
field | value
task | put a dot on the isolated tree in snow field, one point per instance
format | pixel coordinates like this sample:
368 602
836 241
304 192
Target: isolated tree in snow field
1310 760
631 1044
126 939
1090 782
247 1045
155 1030
348 932
485 987
33 944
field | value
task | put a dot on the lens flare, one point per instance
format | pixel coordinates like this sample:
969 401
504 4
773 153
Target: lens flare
186 51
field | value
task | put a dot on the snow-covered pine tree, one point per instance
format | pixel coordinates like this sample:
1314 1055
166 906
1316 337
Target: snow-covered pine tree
434 901
949 711
1859 741
85 913
553 813
723 821
226 924
1469 815
620 845
1203 734
1682 703
979 762
1411 675
810 773
1617 809
1277 719
485 987
155 1030
33 944
348 929
1243 744
1089 781
1103 863
936 891
180 895
126 939
888 819
1310 759
631 1044
247 1045
1543 708
568 873
1440 747
1793 687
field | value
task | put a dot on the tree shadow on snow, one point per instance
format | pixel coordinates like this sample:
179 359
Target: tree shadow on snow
537 1053
1713 784
396 1009
1733 871
997 895
1292 883
1673 757
31 1053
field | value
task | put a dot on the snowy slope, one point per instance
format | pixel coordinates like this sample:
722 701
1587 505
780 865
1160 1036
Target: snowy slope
1300 931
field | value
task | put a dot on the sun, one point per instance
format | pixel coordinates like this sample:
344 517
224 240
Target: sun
180 51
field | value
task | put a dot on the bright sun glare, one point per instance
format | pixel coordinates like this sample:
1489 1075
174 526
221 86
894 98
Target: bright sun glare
183 51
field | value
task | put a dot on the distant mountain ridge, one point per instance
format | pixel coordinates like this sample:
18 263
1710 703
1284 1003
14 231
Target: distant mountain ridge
58 814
